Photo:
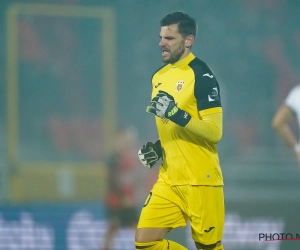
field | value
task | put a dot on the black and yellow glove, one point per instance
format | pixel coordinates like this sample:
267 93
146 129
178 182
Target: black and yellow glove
164 106
150 153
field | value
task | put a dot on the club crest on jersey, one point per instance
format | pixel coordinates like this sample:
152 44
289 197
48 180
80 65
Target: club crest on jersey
179 86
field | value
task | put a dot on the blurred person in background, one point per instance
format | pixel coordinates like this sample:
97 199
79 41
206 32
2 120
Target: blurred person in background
188 112
286 112
121 200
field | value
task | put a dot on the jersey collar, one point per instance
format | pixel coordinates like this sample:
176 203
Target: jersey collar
183 61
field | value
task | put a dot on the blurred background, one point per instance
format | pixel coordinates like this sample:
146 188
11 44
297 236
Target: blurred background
75 72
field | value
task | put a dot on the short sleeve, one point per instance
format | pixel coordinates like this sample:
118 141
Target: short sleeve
293 99
207 92
206 89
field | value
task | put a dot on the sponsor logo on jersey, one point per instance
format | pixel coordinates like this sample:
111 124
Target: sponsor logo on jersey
156 86
210 76
213 96
208 230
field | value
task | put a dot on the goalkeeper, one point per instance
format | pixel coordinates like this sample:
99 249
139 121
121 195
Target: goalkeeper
187 108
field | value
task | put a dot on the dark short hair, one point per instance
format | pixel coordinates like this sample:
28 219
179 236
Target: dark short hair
186 24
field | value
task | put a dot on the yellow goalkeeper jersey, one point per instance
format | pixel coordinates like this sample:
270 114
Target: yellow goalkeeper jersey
187 158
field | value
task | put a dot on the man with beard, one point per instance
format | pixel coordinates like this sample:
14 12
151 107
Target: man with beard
188 112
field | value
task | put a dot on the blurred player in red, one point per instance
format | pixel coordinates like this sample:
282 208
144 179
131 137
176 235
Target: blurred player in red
121 200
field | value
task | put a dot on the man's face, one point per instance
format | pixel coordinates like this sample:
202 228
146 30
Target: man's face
172 44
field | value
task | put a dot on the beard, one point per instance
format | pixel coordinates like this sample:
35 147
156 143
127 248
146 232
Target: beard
175 55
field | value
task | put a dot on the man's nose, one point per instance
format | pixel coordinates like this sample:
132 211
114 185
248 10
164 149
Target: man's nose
162 42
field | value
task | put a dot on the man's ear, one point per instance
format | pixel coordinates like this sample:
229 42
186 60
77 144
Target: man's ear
189 40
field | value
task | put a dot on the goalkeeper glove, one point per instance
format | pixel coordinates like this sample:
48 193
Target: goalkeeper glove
164 106
150 153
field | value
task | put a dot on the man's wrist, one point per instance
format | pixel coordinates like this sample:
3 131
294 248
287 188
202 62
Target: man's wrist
181 117
157 145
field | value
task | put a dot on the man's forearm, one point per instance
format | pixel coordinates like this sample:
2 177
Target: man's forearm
280 124
209 128
287 135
